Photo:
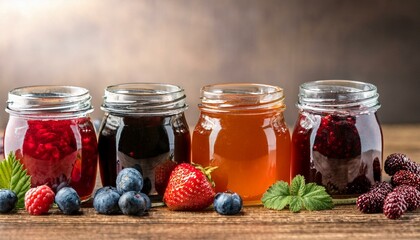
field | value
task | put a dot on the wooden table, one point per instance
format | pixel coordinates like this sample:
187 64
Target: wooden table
254 223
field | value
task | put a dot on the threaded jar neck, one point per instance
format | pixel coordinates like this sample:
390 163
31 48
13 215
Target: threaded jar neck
338 96
241 98
49 101
144 99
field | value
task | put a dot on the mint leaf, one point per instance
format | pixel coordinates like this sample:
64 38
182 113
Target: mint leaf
277 196
15 178
299 195
316 198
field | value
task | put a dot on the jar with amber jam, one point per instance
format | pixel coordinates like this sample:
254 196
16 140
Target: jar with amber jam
51 133
337 139
241 130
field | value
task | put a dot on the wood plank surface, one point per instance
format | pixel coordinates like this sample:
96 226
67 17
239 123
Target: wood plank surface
343 222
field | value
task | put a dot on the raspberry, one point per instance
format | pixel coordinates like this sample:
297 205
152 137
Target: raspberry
371 202
400 161
411 196
359 185
394 205
39 200
404 177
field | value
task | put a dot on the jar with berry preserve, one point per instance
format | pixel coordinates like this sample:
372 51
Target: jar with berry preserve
144 127
50 132
337 139
241 130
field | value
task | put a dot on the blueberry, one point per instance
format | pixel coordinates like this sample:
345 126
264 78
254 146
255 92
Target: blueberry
227 203
147 186
148 202
104 189
106 201
67 200
132 203
8 200
129 179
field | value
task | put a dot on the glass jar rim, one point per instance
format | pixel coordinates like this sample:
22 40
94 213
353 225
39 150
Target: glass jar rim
44 101
338 96
241 97
144 99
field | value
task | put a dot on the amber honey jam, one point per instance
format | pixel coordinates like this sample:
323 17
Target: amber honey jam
241 129
337 139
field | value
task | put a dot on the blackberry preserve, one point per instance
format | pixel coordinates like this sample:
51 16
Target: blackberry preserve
144 127
337 139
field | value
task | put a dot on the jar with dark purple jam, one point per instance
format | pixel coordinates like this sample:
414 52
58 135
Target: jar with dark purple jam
144 127
51 134
337 139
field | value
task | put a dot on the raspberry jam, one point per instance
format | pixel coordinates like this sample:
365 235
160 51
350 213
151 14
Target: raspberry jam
144 127
54 138
337 139
241 130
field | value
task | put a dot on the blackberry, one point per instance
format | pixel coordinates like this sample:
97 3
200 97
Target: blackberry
400 161
381 187
394 205
371 202
404 177
411 196
337 137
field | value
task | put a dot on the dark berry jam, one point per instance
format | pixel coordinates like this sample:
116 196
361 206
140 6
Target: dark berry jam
152 144
340 152
56 152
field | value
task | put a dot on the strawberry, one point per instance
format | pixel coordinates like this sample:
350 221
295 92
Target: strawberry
162 174
189 188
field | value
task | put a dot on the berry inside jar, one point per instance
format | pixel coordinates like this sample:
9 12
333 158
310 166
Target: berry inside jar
337 145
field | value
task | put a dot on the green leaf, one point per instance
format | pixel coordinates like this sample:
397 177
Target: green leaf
14 177
316 198
277 196
296 204
297 188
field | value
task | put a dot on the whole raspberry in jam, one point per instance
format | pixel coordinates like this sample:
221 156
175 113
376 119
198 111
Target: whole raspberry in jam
39 200
404 177
394 205
337 137
400 161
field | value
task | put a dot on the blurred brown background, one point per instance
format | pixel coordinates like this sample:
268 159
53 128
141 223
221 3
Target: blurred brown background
194 43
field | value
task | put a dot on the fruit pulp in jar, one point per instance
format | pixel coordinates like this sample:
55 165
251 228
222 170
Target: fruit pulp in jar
341 152
251 151
152 145
56 152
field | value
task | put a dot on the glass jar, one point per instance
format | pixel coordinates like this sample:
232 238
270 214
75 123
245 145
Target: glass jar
50 132
241 130
337 140
144 127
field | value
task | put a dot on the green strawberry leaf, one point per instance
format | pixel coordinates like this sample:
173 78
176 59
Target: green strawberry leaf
316 198
299 195
277 196
15 178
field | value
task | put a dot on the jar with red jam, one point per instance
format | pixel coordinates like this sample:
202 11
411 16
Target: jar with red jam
50 132
337 139
242 131
144 127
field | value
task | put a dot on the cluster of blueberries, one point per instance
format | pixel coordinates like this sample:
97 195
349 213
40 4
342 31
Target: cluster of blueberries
126 197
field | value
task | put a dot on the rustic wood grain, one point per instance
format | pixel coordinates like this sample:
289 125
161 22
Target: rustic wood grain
343 222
